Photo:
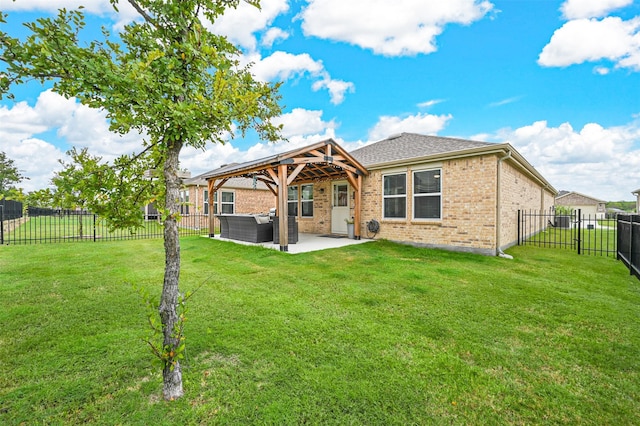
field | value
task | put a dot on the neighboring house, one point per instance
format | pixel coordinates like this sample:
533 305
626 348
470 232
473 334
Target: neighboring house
588 206
424 190
151 210
637 194
236 196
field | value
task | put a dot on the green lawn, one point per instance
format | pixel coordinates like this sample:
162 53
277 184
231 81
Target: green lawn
371 334
599 241
87 227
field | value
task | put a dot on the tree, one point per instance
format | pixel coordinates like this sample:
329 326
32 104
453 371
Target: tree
166 77
9 175
43 198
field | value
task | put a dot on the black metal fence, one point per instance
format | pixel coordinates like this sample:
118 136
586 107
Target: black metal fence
586 234
39 226
10 209
629 242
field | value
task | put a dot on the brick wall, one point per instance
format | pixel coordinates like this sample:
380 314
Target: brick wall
247 201
320 223
468 207
469 201
518 192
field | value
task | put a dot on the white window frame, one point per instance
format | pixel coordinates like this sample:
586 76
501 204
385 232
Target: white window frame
426 194
184 202
385 197
227 203
295 202
301 191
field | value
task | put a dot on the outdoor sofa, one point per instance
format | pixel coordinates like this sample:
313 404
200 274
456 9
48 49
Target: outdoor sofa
246 227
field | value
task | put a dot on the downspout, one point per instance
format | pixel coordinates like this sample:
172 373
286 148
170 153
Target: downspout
499 252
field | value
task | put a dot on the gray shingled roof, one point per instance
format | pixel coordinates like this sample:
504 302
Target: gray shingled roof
233 183
410 145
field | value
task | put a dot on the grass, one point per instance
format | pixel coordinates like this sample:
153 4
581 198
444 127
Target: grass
597 241
370 334
86 227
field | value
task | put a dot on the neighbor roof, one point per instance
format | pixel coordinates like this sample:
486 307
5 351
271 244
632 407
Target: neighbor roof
233 183
407 146
568 194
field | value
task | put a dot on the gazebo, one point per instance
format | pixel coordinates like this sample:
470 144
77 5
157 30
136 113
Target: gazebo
319 162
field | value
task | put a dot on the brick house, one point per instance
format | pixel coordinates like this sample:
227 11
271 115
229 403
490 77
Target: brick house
588 206
428 191
236 196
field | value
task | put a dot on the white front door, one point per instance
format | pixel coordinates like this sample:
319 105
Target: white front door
339 207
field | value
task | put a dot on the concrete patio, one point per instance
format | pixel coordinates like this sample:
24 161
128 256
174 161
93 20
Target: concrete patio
306 243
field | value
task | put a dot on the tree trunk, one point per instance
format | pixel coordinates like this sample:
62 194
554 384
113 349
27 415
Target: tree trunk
172 372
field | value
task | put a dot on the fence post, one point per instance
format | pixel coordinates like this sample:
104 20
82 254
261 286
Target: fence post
630 244
94 227
1 225
579 222
518 226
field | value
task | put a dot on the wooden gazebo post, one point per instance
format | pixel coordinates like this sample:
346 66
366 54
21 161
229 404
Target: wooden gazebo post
212 224
355 179
283 211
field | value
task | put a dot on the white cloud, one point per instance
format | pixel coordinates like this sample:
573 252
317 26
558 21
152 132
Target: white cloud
583 40
301 128
419 123
95 6
597 161
337 88
430 103
273 35
282 66
24 128
300 122
505 101
126 13
241 24
578 9
401 27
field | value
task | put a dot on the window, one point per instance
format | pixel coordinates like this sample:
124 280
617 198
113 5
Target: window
292 201
427 194
205 198
395 196
215 202
184 202
227 202
340 195
306 200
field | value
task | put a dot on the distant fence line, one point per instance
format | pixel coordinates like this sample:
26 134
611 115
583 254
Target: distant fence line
585 234
629 242
40 225
591 235
10 209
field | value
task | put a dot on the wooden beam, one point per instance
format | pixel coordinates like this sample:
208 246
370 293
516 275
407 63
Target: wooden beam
219 185
307 160
345 166
273 175
353 180
283 217
295 173
357 214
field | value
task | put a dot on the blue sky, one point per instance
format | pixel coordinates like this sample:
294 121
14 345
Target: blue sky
559 80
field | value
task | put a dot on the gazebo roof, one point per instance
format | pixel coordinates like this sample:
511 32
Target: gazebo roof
318 162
